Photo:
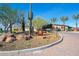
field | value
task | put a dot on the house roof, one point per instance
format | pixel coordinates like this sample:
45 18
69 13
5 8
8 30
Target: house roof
56 25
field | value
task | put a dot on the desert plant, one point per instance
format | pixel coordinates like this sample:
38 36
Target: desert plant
39 22
30 17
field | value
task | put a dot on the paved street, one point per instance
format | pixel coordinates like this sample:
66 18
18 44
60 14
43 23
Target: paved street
68 47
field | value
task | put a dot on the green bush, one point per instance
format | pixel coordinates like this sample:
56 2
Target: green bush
1 30
58 29
69 29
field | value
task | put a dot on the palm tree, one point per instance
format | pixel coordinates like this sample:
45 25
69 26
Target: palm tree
76 17
53 20
64 19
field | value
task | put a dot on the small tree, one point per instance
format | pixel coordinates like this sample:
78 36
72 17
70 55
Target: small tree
39 22
8 16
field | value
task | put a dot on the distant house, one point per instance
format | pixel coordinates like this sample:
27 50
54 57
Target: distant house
16 28
75 29
27 28
56 26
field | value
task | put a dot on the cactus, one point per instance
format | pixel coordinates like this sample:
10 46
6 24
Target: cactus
30 17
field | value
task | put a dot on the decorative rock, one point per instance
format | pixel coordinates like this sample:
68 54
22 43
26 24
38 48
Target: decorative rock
10 39
7 37
2 37
40 32
27 37
44 37
20 36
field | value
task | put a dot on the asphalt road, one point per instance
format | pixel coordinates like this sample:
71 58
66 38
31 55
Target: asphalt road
68 47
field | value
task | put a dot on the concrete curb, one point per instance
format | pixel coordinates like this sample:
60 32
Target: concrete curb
17 52
72 32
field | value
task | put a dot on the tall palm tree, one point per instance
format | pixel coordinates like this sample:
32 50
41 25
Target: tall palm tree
76 17
64 19
53 20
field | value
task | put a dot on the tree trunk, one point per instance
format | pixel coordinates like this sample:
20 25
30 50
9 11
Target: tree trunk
31 27
76 25
64 26
5 29
10 27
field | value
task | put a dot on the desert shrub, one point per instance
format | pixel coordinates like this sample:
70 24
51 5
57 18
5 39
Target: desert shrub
58 29
1 30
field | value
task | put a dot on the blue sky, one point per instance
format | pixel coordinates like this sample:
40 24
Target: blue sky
49 10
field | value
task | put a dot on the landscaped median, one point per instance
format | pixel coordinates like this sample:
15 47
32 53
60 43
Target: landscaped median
36 43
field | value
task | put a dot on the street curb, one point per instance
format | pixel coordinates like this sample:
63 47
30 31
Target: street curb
17 52
72 32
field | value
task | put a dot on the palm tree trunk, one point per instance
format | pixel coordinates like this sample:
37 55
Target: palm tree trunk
76 25
64 25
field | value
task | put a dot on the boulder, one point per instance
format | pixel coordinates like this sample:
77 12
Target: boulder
2 37
20 37
40 32
10 39
7 37
26 37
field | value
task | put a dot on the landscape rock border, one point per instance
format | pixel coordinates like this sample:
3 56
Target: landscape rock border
17 52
